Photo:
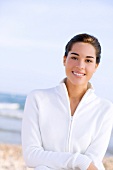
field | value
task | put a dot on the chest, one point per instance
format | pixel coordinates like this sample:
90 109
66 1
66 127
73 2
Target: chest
73 106
61 133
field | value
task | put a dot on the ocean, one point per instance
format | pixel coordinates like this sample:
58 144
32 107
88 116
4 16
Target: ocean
11 113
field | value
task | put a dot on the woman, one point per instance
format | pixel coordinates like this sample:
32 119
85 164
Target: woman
68 126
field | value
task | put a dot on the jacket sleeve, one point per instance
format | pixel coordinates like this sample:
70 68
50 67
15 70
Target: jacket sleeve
97 149
32 145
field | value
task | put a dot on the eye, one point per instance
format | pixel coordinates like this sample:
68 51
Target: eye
74 58
89 61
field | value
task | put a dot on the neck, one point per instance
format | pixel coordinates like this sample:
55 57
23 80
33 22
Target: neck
75 92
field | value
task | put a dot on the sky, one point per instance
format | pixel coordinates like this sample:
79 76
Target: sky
33 35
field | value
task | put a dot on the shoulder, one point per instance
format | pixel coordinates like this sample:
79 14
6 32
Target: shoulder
104 102
105 106
41 94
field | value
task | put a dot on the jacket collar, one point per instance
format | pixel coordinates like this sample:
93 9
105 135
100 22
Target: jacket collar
89 86
63 94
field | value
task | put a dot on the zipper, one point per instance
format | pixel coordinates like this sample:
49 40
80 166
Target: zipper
70 118
69 140
68 149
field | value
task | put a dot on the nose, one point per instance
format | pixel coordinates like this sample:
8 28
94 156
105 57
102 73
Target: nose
80 65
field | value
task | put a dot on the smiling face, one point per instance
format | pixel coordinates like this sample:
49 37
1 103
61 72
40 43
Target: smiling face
80 64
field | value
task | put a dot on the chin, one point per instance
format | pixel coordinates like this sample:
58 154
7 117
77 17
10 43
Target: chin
78 83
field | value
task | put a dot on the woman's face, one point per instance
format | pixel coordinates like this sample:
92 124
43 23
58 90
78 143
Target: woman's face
80 63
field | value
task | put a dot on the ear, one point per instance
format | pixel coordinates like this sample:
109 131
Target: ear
96 66
64 60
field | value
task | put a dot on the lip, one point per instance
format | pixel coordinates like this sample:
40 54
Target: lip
79 74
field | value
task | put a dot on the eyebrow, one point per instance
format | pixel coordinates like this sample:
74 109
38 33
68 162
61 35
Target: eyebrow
78 55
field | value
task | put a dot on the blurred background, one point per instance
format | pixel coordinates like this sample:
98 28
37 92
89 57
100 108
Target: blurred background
33 35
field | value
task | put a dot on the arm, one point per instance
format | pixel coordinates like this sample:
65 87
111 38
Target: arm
33 151
98 147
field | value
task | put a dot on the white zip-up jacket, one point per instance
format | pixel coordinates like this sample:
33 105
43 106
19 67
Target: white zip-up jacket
53 139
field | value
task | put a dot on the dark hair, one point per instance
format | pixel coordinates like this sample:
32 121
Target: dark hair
86 38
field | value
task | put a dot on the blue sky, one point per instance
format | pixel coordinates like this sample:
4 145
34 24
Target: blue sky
33 35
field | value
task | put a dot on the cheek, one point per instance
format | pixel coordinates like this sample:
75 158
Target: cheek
70 63
91 69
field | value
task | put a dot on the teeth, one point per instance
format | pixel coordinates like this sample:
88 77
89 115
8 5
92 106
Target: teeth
78 74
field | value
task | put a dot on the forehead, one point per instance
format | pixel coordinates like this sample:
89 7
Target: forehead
83 48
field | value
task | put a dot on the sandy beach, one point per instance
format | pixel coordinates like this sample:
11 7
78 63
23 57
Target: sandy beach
11 158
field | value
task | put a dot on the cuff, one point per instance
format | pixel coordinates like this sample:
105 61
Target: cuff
82 162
